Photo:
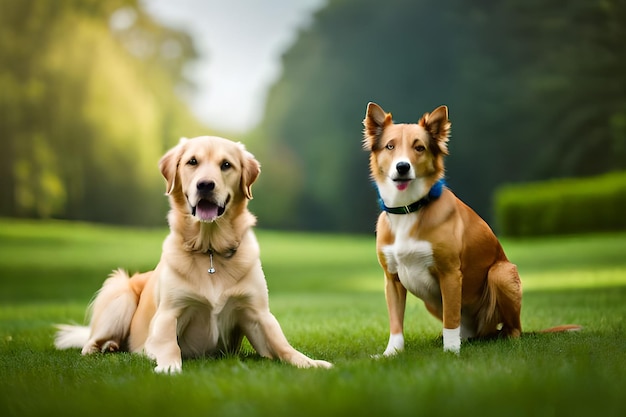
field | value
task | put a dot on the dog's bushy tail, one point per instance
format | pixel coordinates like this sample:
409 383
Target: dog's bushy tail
111 313
69 336
562 328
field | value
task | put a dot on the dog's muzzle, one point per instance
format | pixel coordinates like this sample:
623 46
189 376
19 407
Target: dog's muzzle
402 176
207 209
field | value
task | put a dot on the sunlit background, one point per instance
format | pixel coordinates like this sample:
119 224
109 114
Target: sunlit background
93 93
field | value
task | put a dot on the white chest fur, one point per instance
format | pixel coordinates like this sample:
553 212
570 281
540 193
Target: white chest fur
412 260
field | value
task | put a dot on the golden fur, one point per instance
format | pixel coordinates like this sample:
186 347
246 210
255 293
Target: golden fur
443 253
181 309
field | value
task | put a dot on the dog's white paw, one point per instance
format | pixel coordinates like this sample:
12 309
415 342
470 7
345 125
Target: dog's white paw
322 364
170 369
454 349
452 340
300 360
395 345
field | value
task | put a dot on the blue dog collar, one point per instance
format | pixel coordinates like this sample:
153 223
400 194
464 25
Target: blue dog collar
433 194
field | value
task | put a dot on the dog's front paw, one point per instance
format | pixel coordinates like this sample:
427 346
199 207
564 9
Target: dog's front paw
167 362
391 351
300 360
306 362
395 345
389 252
452 340
321 364
452 349
170 369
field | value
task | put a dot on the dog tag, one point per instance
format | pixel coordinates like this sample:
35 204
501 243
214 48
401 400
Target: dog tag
211 270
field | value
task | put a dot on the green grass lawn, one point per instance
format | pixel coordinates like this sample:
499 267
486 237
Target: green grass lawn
326 291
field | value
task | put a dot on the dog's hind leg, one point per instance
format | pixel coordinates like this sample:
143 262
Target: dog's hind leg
111 313
504 302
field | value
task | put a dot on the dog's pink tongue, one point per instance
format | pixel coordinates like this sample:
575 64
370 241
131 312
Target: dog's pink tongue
402 185
206 210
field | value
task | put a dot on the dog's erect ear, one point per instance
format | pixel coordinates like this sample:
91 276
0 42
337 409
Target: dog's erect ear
437 124
169 164
250 171
375 122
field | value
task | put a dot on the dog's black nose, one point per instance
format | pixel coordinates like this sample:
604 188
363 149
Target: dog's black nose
205 186
403 167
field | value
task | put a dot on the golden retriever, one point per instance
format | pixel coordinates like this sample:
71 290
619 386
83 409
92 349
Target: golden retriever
208 290
430 243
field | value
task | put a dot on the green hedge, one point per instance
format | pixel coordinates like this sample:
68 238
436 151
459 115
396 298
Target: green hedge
562 206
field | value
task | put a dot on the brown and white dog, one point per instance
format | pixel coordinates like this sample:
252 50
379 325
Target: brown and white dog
208 290
430 243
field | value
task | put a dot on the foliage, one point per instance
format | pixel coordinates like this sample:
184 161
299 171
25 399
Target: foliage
87 109
535 91
328 313
563 206
90 101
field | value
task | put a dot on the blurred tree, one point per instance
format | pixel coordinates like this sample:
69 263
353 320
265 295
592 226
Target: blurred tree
88 107
355 52
566 65
535 90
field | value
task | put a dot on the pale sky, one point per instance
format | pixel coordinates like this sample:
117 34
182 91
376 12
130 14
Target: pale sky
240 43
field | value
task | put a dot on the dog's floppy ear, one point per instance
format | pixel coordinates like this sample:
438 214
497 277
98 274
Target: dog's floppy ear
375 122
250 171
169 165
437 124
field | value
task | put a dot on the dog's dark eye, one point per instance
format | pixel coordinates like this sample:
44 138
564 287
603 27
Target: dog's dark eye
225 165
390 146
192 161
420 148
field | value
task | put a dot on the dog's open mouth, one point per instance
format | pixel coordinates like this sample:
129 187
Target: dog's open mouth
207 210
401 183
